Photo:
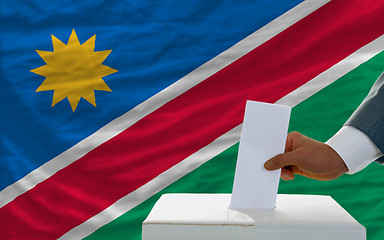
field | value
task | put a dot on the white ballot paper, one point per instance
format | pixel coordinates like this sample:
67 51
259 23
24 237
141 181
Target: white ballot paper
263 136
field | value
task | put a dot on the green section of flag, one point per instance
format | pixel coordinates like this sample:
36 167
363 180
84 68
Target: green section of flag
318 117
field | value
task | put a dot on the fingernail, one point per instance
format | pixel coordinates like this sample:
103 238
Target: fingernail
268 165
287 175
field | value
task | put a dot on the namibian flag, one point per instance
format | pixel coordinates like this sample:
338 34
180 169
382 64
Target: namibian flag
172 79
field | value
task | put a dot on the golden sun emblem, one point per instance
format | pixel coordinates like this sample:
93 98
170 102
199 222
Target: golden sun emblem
73 70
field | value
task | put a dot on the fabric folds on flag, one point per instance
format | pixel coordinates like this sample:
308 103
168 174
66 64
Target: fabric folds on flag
171 83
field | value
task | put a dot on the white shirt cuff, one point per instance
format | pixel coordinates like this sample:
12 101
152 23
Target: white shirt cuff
355 148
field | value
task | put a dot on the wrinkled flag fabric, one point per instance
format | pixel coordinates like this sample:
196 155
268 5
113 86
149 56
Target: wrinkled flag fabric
171 83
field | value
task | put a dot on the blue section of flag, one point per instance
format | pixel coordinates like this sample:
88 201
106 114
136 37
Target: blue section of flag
153 43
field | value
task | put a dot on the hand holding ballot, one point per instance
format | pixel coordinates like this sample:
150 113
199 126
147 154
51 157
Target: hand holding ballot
358 143
307 157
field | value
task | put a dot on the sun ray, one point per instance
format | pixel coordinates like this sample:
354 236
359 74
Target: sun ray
105 70
57 44
40 70
45 55
74 100
90 97
45 86
73 40
73 70
101 55
57 97
101 85
90 43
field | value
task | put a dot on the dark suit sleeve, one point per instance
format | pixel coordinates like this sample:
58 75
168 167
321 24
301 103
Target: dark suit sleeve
369 116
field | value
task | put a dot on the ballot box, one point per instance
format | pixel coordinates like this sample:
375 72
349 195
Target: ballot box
208 217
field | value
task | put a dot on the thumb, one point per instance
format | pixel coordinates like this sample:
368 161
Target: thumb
280 161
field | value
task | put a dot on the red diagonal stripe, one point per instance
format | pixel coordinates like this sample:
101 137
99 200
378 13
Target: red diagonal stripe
192 120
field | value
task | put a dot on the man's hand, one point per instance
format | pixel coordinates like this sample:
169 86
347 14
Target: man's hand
307 157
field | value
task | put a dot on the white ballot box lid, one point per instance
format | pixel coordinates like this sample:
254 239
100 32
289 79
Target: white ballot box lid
207 216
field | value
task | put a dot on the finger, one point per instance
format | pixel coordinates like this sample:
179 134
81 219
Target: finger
281 160
292 138
288 144
287 174
296 170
